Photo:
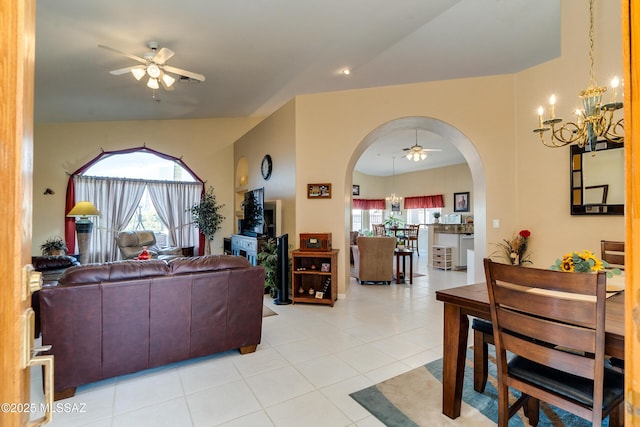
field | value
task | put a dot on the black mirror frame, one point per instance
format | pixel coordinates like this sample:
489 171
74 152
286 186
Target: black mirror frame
576 191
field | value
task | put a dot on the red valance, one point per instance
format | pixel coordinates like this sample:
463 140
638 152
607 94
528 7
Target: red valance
435 201
369 204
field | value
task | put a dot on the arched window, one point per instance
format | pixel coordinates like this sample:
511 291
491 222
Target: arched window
136 189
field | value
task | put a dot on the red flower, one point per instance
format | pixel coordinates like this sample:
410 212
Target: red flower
525 234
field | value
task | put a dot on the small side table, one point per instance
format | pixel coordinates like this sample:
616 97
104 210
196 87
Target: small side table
403 254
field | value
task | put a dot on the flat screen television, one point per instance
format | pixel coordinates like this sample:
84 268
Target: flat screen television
253 207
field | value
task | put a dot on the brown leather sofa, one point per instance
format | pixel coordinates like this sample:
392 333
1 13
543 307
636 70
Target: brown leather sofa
105 320
373 259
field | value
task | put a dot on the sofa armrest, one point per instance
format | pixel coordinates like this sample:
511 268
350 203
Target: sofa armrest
170 250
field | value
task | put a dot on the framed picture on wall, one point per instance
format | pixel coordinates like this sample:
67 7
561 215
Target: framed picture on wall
318 191
355 190
461 202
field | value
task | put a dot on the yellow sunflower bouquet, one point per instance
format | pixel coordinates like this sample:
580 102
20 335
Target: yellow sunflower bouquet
583 262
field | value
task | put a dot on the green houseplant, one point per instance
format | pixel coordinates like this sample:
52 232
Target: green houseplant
268 258
393 221
207 217
436 217
54 246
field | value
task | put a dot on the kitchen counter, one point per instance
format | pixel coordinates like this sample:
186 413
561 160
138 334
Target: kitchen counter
452 228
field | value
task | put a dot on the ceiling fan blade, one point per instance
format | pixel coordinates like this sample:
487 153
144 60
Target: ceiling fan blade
163 56
125 70
432 149
128 55
185 73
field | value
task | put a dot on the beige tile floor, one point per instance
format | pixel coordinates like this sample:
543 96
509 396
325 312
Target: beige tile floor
310 359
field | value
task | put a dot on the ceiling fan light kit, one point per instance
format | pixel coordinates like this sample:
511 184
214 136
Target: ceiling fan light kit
416 152
154 66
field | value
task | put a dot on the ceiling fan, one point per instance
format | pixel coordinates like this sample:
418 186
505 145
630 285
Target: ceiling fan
154 65
417 152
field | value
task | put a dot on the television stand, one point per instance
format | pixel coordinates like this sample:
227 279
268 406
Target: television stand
246 246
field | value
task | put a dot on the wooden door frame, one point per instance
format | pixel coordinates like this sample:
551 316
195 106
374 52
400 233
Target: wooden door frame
631 54
17 52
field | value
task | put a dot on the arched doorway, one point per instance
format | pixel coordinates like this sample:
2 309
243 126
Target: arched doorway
469 152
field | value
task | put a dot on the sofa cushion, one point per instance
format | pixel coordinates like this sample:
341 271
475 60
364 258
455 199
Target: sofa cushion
112 271
186 265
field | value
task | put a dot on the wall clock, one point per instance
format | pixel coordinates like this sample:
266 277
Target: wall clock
267 167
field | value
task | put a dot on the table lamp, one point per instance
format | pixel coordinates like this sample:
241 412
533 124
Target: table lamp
82 211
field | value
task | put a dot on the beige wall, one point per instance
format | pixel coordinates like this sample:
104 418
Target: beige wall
206 146
274 136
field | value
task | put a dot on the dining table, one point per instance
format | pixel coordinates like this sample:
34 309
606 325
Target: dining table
473 300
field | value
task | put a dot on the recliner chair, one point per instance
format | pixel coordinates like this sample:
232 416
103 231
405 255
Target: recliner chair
130 244
373 259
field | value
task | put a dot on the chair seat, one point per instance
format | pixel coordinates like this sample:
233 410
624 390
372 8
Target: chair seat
482 325
576 388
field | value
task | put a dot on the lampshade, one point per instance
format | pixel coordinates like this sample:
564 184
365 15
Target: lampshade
153 83
83 210
167 79
138 73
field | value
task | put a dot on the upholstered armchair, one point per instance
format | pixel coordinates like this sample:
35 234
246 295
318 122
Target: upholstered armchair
130 244
373 259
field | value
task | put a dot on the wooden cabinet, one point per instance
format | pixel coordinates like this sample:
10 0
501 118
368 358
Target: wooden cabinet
314 277
441 257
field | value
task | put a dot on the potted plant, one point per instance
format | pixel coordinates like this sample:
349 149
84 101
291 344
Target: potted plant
268 258
393 221
207 217
436 217
54 246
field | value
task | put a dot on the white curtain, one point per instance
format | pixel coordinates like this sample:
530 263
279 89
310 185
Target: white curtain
173 201
117 200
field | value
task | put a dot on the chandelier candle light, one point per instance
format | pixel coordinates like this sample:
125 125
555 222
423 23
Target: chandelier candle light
394 199
594 121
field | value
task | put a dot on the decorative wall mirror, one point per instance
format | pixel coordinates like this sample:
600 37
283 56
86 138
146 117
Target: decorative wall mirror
597 180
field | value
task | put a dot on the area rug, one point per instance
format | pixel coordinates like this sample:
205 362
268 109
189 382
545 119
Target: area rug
266 311
415 399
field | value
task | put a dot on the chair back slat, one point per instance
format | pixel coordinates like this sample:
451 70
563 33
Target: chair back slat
561 359
568 336
613 253
541 302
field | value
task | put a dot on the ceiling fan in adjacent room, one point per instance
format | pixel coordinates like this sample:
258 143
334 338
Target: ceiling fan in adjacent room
416 152
154 66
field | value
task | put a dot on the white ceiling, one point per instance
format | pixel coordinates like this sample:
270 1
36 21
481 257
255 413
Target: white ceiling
257 55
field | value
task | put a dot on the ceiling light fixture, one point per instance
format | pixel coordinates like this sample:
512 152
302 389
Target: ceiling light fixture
393 198
416 152
153 70
138 73
168 80
346 71
593 121
153 83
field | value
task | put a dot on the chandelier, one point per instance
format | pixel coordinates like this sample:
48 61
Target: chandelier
594 121
394 199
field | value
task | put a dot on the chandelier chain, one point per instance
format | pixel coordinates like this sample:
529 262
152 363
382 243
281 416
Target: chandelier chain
592 74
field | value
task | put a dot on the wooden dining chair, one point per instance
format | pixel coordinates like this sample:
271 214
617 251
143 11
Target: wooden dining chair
412 237
553 323
613 253
379 230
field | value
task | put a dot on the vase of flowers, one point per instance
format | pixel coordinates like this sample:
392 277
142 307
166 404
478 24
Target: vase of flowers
515 249
583 262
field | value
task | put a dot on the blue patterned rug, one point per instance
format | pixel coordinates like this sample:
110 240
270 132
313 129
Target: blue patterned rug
415 399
